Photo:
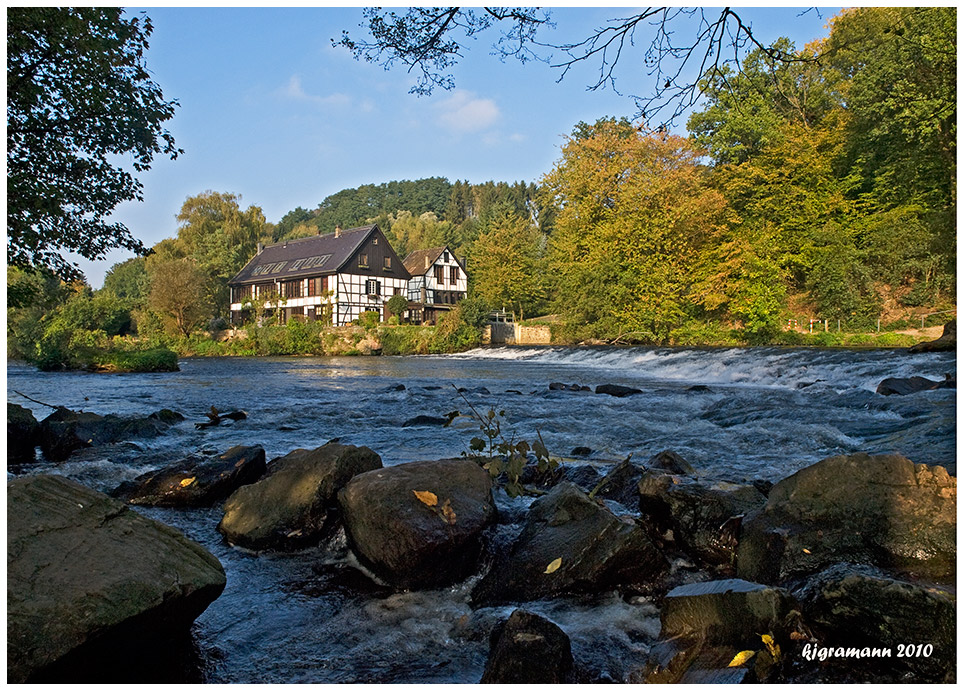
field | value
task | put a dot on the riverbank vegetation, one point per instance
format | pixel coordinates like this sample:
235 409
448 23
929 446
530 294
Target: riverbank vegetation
812 203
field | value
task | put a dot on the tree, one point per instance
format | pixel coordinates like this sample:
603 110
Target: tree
78 96
397 304
677 41
129 279
508 264
177 294
635 215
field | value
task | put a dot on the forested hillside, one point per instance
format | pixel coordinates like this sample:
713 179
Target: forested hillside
817 186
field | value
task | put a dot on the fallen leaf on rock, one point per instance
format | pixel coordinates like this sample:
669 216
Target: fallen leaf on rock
808 552
771 645
741 658
447 513
188 481
554 565
426 498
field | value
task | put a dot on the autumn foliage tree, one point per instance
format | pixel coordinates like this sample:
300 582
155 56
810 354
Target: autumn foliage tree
635 213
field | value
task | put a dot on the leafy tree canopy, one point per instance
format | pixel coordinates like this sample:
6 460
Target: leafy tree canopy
78 95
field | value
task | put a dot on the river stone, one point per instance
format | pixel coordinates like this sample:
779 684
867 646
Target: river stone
86 574
617 390
570 544
860 606
292 505
881 510
528 649
704 625
669 460
704 517
410 543
620 484
423 420
23 434
910 385
195 481
946 342
64 431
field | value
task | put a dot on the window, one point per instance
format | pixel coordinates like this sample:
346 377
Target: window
387 263
397 291
440 274
453 275
318 286
292 289
445 257
372 287
364 260
375 241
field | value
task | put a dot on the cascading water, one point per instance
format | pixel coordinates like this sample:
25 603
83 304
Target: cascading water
735 414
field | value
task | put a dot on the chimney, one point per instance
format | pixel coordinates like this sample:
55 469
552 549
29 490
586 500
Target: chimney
427 262
338 231
261 246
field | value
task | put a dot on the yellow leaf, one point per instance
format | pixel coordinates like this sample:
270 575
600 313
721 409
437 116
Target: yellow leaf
426 498
772 647
806 551
741 658
554 565
447 513
187 481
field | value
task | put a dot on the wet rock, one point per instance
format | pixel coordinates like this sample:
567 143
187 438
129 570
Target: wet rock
698 388
474 390
424 421
860 606
621 484
395 388
704 517
195 481
216 417
668 460
23 434
64 431
292 506
570 544
528 649
946 342
411 542
560 387
882 510
166 415
581 452
617 390
704 625
902 386
87 576
513 391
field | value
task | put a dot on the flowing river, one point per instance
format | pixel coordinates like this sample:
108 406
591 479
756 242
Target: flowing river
735 414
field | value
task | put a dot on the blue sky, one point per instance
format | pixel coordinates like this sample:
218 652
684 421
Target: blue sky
270 111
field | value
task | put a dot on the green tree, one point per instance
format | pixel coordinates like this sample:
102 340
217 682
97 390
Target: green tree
177 294
397 304
129 279
508 264
407 232
79 95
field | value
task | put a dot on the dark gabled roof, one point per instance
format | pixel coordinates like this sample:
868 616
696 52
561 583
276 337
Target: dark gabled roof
415 263
312 256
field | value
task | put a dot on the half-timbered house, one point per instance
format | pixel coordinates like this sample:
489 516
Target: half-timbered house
334 278
438 282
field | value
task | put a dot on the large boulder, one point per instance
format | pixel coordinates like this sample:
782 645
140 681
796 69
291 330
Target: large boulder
571 544
946 342
902 386
293 505
419 524
704 625
703 518
63 432
528 649
617 390
881 510
23 434
87 575
860 606
195 481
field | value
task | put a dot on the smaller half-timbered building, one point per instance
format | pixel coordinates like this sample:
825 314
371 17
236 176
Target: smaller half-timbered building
438 282
333 277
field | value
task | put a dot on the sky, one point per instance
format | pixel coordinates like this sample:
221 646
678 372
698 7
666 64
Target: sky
269 110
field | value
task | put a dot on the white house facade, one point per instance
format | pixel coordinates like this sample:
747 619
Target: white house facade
438 281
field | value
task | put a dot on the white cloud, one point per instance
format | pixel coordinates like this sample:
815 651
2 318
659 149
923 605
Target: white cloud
295 91
463 112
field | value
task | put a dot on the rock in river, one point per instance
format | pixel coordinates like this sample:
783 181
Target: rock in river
570 544
946 342
617 390
86 574
881 510
64 431
23 434
528 649
419 540
902 386
292 506
195 481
